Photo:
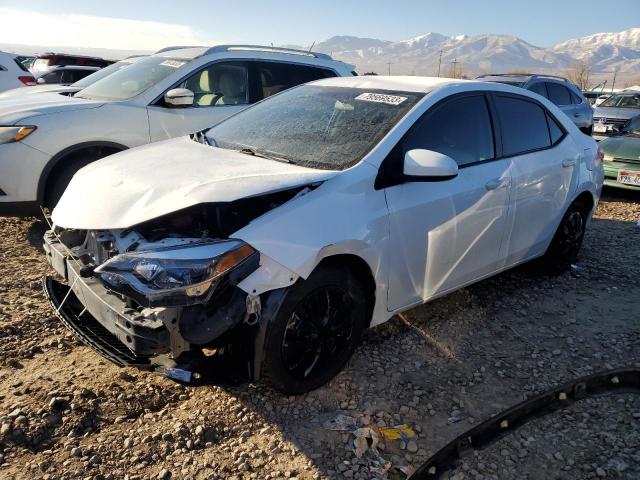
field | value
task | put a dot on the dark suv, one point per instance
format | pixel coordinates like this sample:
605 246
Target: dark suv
45 61
559 90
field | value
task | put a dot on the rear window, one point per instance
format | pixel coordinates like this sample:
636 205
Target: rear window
524 125
275 77
558 94
539 88
40 64
20 64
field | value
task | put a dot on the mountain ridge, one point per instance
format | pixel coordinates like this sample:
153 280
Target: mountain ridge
485 53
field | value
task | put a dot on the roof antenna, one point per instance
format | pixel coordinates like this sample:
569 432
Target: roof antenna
312 45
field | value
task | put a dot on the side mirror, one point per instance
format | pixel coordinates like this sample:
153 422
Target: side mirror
427 163
41 81
179 97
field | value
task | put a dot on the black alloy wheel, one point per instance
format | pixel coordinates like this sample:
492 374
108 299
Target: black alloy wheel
315 331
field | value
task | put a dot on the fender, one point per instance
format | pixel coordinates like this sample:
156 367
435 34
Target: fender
44 176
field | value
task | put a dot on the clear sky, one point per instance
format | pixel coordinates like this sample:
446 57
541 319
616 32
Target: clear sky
139 24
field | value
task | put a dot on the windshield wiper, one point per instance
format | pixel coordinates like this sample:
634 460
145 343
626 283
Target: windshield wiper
201 137
254 153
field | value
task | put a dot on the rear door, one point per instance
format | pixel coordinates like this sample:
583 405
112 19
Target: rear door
542 159
561 96
274 77
447 233
220 90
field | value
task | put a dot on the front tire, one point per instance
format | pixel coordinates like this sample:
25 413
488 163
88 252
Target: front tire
61 178
565 245
315 331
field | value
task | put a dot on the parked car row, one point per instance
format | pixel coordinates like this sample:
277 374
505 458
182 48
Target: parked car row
69 89
47 68
294 209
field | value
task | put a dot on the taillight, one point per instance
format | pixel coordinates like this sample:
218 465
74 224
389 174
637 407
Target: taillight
29 81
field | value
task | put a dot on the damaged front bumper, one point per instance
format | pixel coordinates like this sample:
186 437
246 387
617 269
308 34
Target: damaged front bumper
127 333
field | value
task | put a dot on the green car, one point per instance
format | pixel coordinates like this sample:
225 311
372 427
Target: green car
622 157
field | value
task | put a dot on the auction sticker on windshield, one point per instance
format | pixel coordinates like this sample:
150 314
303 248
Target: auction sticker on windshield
381 98
172 63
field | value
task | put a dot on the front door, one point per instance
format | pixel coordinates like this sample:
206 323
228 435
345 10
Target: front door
220 90
445 234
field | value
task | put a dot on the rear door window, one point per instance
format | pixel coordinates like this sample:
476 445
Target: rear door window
459 128
523 125
539 88
558 94
274 77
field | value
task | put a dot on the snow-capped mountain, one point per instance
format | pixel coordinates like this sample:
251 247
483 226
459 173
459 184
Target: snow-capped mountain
606 51
486 53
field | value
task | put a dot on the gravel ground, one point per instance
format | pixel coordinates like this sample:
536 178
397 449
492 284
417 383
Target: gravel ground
440 368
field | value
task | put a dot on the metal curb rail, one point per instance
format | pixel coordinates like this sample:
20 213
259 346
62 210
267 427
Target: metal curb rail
488 432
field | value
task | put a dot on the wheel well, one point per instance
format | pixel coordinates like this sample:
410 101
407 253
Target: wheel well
362 272
78 156
586 199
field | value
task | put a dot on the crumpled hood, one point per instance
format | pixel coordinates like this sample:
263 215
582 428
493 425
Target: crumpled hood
15 109
137 185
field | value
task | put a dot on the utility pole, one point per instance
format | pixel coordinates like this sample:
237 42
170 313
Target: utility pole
454 64
439 62
389 65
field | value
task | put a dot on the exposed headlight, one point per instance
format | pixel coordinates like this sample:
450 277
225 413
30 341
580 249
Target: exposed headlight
178 276
607 157
15 133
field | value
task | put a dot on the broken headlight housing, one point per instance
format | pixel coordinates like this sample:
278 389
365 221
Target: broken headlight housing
178 276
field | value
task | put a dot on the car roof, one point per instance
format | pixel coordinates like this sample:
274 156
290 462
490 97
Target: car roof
191 53
72 67
399 83
45 55
505 78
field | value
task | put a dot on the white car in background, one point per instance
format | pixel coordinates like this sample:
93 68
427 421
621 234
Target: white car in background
80 84
13 74
46 138
289 228
65 75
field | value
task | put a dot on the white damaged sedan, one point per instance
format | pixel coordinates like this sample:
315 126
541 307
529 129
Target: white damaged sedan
286 230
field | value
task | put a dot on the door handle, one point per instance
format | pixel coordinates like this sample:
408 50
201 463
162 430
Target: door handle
576 114
496 183
569 162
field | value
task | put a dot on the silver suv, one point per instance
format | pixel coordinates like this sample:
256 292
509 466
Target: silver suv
559 90
45 139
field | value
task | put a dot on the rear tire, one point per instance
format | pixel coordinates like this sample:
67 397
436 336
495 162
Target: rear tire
565 245
315 331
